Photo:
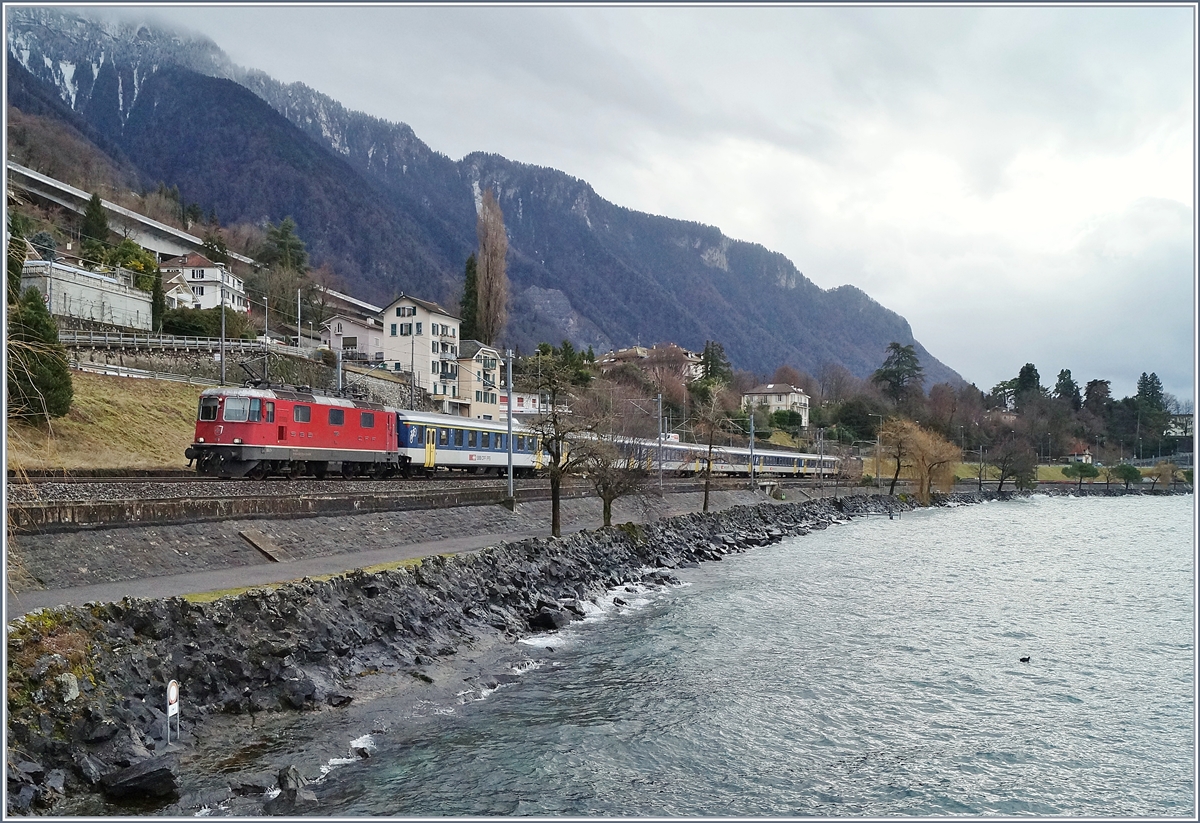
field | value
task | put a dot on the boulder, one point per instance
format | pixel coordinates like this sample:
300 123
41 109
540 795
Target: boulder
548 619
155 777
293 795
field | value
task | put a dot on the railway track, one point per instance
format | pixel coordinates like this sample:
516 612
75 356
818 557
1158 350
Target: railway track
26 479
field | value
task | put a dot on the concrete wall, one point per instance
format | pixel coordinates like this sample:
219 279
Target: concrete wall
85 295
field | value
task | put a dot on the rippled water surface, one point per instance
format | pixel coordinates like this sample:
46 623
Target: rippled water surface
870 669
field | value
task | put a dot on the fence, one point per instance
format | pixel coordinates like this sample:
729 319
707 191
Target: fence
167 342
125 371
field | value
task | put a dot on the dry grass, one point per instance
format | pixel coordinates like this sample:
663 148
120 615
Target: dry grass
209 597
114 423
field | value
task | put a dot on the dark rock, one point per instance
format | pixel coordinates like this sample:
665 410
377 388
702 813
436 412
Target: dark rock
155 777
293 795
32 770
619 601
549 619
56 780
90 768
252 784
338 699
23 798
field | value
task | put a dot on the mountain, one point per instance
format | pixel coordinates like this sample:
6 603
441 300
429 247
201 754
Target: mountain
390 214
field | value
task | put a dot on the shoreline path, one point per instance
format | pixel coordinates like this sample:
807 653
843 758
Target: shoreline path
165 561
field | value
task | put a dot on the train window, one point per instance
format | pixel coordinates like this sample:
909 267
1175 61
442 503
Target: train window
236 409
255 410
520 442
208 409
301 414
337 417
367 420
443 437
472 439
269 411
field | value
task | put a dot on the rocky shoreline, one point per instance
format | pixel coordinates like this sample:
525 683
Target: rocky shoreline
87 686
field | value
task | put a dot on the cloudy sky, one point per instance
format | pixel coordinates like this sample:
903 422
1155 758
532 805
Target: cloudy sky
1017 182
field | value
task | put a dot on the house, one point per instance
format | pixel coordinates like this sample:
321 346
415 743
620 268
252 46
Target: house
177 293
524 403
355 337
421 337
480 380
1080 455
621 356
778 397
1180 425
210 282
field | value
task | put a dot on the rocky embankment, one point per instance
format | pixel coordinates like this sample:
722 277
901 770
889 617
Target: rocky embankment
86 686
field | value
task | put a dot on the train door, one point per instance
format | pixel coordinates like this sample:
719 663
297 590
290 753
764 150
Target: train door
430 446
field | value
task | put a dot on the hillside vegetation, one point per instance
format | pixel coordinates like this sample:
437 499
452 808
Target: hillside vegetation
114 423
388 214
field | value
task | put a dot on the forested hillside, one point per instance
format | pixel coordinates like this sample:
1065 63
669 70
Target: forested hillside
389 214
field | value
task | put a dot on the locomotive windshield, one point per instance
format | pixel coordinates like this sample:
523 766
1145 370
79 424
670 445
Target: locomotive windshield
237 409
208 409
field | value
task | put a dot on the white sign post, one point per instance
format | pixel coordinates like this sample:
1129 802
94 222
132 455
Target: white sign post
172 708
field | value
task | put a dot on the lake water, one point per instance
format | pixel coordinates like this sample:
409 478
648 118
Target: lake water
870 669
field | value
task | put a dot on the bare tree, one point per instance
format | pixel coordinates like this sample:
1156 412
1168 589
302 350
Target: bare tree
491 281
710 416
569 415
837 383
895 441
619 455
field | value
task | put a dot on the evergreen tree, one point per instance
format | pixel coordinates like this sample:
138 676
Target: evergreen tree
93 232
158 302
1150 392
1028 380
283 248
215 248
469 307
715 364
1067 389
95 221
45 244
901 376
16 259
1097 397
39 382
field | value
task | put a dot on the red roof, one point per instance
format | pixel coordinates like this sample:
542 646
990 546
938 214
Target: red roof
191 260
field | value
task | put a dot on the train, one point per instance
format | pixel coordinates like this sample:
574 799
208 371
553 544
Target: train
259 432
682 459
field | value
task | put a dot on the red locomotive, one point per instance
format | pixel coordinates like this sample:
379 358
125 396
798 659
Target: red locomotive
255 432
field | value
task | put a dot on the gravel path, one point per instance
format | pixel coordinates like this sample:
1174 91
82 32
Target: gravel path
107 564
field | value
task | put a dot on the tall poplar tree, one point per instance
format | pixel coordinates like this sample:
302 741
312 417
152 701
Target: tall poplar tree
469 306
491 272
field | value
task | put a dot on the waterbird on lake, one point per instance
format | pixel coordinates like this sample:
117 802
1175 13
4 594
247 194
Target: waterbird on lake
1024 659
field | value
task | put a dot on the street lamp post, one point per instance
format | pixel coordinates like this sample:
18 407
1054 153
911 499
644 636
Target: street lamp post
752 445
660 444
508 355
877 432
222 328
